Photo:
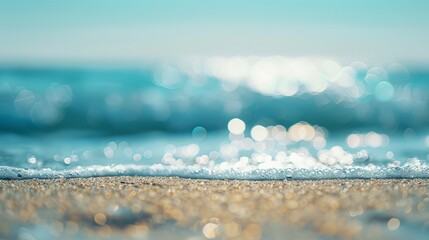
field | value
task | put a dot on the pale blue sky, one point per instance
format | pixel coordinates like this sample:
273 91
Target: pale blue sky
131 31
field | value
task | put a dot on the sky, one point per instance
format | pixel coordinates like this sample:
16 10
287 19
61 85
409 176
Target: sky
130 31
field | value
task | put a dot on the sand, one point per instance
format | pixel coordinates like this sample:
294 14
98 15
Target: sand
176 208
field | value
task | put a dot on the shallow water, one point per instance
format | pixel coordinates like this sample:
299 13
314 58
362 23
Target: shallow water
219 118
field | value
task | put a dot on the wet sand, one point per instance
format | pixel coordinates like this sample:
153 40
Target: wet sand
176 208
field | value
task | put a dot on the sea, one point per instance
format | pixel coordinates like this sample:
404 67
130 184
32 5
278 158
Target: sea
259 118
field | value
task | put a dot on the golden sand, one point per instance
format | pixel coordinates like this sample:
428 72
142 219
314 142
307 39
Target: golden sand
205 209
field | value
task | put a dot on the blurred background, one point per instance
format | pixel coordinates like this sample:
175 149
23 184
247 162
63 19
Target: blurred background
130 32
228 78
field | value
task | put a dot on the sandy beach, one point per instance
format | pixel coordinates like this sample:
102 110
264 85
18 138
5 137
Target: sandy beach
176 208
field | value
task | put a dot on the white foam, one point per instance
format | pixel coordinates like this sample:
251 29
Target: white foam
267 170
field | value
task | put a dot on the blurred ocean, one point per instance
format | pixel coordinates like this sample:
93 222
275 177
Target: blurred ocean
220 117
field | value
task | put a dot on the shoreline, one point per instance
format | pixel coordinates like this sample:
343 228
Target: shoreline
171 207
213 179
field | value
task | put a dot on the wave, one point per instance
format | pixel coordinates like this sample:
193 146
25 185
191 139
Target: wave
224 118
176 99
412 169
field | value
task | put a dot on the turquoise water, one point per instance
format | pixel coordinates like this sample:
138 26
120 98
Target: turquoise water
219 118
